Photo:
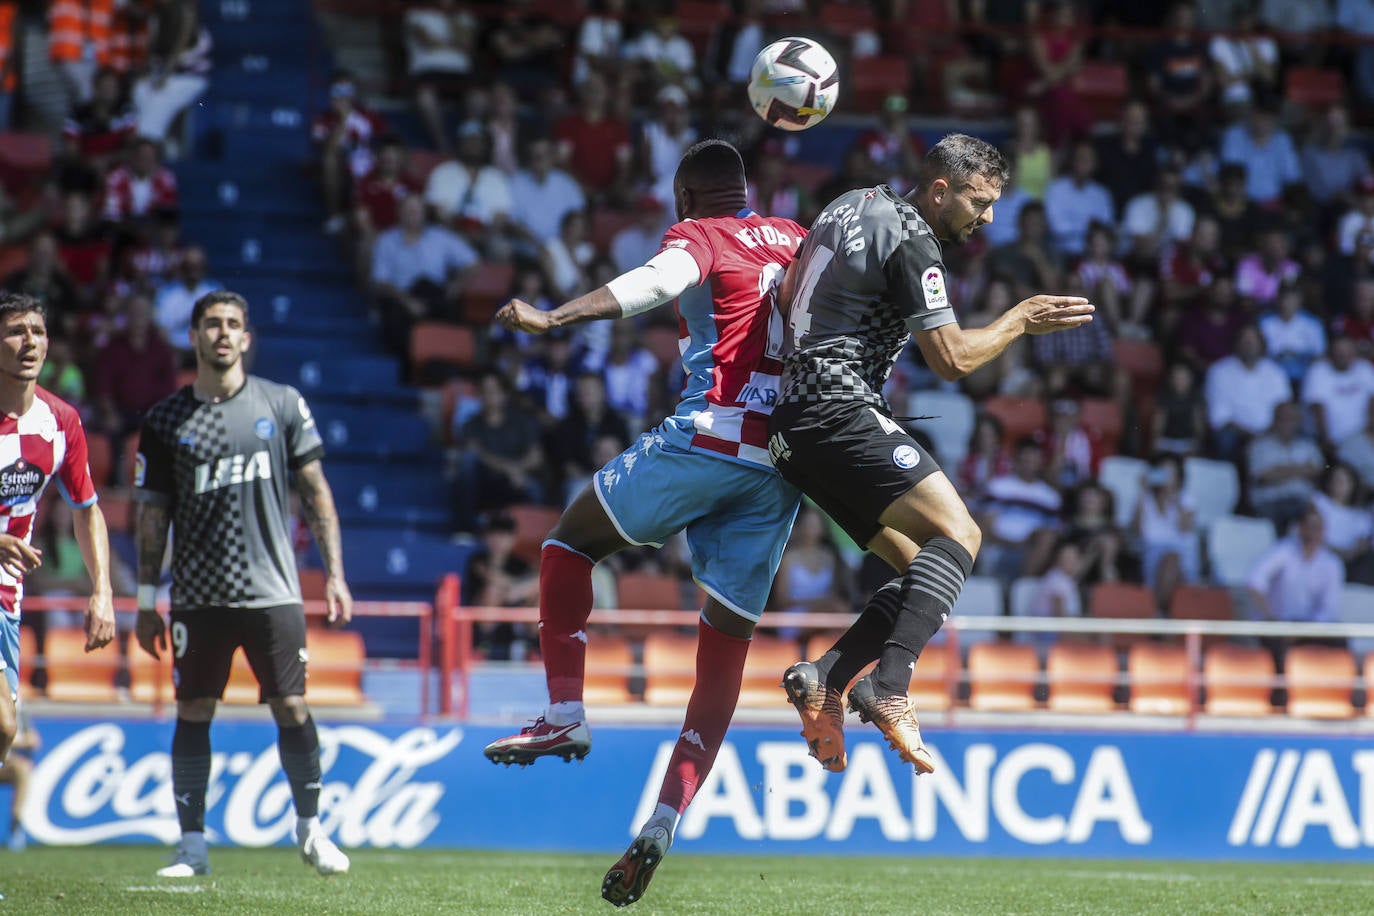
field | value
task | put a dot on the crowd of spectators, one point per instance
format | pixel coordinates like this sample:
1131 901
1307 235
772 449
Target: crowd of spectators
1224 226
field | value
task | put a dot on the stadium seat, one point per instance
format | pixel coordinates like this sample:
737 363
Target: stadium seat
1124 478
933 678
817 644
485 290
981 597
810 175
1238 680
1319 680
1357 606
28 657
312 583
662 341
1101 417
24 159
698 20
420 162
1022 604
532 526
13 258
610 662
648 592
1122 601
1213 486
1081 677
242 689
953 416
670 664
768 658
118 510
1002 677
1158 676
100 458
605 224
439 350
845 20
150 679
1234 544
1202 602
1018 416
1102 86
873 79
1313 87
335 668
78 676
1143 361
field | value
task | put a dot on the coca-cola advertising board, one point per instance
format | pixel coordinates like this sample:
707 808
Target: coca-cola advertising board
994 793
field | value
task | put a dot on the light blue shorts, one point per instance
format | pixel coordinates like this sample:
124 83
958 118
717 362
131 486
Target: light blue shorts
737 518
9 650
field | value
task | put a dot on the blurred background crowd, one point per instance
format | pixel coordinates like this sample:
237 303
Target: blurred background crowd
1201 171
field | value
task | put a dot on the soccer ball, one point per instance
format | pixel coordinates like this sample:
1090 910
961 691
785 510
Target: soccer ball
794 83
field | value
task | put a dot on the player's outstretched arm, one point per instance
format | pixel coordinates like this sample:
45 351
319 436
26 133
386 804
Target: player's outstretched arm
153 524
317 502
667 275
93 539
953 352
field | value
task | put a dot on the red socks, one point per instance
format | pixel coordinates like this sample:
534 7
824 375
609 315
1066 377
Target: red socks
720 671
565 602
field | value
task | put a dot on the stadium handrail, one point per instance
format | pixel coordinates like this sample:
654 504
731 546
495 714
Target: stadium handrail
314 609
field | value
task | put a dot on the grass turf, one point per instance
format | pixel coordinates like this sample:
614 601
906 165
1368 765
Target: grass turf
118 880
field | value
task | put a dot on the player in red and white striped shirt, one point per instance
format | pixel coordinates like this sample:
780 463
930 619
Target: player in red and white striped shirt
41 439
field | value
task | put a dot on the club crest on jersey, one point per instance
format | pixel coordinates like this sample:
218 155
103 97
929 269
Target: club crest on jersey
933 283
19 482
905 457
264 428
140 469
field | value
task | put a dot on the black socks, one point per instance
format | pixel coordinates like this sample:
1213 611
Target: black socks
930 588
299 749
191 773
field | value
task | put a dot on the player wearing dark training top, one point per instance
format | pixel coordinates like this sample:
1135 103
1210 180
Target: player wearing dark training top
870 277
214 460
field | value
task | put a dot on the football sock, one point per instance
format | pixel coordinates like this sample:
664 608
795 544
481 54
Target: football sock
929 590
299 749
565 602
863 641
304 827
720 671
190 773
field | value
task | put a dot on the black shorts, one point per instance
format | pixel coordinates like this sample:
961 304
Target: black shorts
203 643
850 457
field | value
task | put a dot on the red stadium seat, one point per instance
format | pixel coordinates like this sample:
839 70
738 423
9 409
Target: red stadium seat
532 526
845 20
100 458
1101 417
1103 87
649 592
873 79
438 348
604 226
24 158
1018 416
118 511
485 290
420 162
1313 87
1122 601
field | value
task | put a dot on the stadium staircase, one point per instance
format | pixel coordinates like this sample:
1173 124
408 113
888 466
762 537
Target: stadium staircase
249 197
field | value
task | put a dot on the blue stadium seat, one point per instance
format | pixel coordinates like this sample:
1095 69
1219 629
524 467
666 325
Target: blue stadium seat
372 431
382 558
388 495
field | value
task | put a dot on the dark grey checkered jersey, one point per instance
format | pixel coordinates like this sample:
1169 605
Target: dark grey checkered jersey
221 469
870 274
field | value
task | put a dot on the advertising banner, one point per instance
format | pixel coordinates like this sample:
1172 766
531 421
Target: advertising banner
994 793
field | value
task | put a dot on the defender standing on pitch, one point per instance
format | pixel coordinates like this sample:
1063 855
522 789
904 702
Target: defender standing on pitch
41 440
213 461
868 277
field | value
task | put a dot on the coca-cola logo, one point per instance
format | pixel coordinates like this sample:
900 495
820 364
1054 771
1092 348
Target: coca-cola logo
87 790
19 482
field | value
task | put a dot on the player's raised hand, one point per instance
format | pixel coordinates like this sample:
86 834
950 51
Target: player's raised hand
518 315
339 600
100 622
1047 314
18 558
151 632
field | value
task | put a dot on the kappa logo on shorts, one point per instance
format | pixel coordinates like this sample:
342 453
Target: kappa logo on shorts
905 457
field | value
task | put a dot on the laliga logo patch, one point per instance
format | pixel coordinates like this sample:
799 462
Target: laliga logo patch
140 469
264 428
905 457
933 282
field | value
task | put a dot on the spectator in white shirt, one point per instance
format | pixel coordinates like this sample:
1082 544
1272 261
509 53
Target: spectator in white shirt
638 242
1357 450
1057 594
629 371
1158 218
1356 227
1283 466
1293 336
1246 61
175 300
1074 202
1349 527
439 44
599 41
541 195
664 55
1266 151
1020 516
1338 390
470 195
567 258
1242 391
1164 525
1332 163
1299 579
663 141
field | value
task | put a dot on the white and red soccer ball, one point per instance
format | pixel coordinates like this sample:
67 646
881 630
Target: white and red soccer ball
794 83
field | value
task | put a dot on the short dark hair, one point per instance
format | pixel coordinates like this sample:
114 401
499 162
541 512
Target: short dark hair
711 165
20 304
218 297
959 157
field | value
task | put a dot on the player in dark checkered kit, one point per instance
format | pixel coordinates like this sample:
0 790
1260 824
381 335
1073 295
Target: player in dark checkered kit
214 461
868 278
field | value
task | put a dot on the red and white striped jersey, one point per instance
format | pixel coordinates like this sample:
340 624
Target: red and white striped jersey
46 443
127 195
730 332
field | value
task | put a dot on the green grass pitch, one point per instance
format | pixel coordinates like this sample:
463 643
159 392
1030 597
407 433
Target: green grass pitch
117 880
